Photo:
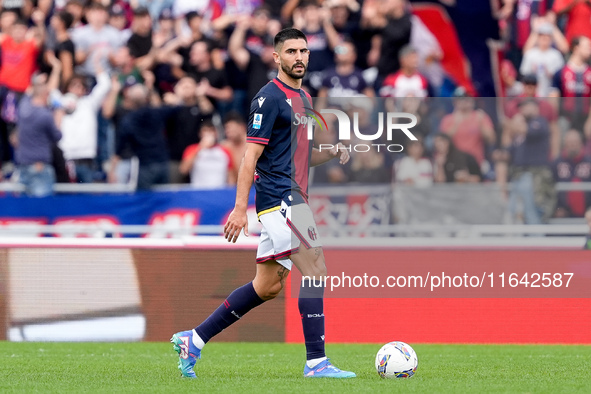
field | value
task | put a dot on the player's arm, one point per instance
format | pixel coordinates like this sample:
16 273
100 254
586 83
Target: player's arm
238 219
322 156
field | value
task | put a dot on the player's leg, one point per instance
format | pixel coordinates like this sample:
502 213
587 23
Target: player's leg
269 279
310 262
267 284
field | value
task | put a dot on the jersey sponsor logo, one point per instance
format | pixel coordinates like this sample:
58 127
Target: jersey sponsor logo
261 101
256 123
309 117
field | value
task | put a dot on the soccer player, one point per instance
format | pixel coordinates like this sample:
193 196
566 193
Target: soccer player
278 156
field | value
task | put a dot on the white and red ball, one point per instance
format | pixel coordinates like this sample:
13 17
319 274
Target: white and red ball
396 360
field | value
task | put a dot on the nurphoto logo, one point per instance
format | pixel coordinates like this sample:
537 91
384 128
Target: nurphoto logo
311 118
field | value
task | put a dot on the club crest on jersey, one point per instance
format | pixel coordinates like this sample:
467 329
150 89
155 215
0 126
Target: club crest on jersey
312 233
256 123
261 101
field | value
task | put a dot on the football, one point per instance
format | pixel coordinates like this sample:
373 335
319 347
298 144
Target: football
396 360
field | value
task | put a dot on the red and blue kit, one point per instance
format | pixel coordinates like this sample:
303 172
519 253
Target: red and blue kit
284 165
281 176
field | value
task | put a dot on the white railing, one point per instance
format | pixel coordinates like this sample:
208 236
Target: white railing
130 187
87 188
417 231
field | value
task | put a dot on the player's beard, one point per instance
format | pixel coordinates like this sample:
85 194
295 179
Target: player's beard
290 71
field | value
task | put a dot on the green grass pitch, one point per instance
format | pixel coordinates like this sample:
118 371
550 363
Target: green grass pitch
277 368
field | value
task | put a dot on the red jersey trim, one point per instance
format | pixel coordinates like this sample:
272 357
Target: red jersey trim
258 140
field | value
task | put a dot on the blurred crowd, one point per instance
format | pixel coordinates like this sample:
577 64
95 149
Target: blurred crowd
91 89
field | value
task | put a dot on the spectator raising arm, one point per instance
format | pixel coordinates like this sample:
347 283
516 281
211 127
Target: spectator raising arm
38 18
103 84
236 49
110 103
223 94
53 82
332 35
558 38
205 105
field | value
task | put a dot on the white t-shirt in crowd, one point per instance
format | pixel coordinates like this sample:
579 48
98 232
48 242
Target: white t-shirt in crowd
211 166
420 171
543 64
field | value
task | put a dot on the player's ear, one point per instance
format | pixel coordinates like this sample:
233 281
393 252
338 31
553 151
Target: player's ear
276 57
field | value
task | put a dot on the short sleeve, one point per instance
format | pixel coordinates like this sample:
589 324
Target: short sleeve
229 156
388 86
263 112
190 150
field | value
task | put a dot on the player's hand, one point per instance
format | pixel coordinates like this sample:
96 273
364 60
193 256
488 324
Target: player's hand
341 152
237 221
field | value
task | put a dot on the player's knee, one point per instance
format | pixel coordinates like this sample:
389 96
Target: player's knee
271 291
319 265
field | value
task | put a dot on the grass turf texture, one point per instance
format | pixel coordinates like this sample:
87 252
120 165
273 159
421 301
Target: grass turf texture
258 367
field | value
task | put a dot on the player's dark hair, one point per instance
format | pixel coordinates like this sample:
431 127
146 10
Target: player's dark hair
288 34
66 18
234 116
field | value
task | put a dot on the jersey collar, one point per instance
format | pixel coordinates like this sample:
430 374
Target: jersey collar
277 80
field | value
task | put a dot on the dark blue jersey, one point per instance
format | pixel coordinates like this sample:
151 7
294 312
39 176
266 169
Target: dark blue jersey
283 167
